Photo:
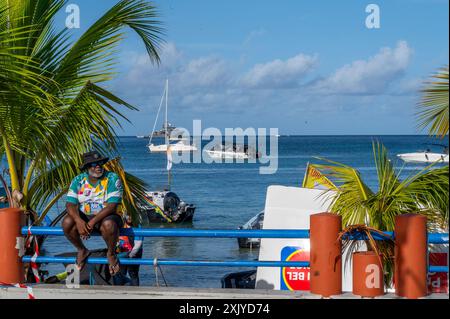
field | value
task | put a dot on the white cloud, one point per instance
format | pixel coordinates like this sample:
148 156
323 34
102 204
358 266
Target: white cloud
371 76
213 84
280 73
204 72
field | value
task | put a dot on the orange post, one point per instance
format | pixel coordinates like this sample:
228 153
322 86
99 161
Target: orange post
411 256
368 278
326 259
11 267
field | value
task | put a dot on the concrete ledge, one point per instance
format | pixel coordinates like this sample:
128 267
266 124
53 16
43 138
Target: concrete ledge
114 292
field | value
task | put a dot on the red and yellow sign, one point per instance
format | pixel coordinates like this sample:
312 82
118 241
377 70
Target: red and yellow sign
315 179
295 278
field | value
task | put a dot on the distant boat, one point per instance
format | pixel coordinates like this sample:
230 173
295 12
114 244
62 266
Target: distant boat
232 151
425 156
166 129
180 146
140 136
167 132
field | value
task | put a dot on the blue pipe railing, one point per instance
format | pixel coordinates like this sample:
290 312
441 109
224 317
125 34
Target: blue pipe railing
171 262
433 238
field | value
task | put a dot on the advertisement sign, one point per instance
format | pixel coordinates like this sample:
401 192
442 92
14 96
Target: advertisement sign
438 282
294 278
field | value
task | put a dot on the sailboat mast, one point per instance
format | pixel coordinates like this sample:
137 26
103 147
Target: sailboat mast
166 123
169 155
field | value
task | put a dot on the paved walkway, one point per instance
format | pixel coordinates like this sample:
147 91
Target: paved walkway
113 292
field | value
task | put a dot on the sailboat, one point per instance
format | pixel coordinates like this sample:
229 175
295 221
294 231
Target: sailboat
181 145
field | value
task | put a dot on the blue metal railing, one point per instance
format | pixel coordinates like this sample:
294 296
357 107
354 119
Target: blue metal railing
433 238
171 262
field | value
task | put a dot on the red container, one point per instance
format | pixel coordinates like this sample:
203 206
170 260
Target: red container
411 256
325 255
11 267
368 278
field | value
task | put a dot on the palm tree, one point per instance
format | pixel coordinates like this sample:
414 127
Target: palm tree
52 107
424 192
433 108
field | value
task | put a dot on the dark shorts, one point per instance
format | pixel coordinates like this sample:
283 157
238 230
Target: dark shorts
114 217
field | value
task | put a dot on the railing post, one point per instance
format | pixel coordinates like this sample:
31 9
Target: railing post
411 255
11 267
326 259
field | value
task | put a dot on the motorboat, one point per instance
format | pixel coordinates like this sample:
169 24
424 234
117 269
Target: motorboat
169 132
256 222
425 156
232 151
165 206
180 146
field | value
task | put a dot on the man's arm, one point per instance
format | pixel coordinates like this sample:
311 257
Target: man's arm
109 209
72 211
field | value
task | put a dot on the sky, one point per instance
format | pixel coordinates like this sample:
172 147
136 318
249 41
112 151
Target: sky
304 67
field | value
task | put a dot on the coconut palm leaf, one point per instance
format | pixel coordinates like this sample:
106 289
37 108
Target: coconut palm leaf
51 107
433 108
352 192
424 192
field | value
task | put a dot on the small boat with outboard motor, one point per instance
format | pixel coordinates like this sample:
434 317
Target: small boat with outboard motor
166 207
232 151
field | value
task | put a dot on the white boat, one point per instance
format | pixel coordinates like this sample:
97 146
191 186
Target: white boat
225 154
232 151
423 157
426 156
182 145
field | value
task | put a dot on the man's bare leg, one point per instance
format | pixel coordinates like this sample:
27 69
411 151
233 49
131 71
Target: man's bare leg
110 233
71 232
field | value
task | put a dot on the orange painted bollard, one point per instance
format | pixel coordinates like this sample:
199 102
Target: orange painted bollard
11 267
325 254
411 256
368 278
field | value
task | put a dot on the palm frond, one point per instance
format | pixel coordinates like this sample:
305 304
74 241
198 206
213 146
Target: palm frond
349 200
90 57
433 108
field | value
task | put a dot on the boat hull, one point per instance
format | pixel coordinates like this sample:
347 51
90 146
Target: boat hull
423 157
225 155
154 217
173 147
255 222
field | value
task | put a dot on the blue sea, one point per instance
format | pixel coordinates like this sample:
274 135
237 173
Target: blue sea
227 195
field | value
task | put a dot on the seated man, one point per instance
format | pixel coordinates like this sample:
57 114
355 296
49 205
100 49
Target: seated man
92 203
